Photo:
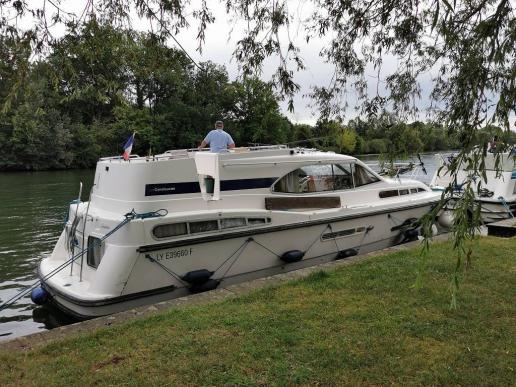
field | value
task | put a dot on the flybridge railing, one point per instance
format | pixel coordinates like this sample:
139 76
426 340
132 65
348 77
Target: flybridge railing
187 151
181 153
119 157
267 147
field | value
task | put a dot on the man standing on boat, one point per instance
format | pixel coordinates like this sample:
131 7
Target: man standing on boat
218 139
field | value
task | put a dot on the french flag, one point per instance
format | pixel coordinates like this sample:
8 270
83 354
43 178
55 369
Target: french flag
128 147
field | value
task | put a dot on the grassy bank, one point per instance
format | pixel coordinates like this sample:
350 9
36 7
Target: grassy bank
359 324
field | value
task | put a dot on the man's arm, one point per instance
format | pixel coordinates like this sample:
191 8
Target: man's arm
203 144
231 143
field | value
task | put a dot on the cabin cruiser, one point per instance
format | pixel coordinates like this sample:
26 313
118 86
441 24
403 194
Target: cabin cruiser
496 197
164 226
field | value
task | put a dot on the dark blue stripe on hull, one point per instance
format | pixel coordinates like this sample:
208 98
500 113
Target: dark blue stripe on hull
193 187
235 185
171 188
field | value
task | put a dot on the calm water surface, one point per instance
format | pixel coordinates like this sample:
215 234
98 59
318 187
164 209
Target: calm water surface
32 210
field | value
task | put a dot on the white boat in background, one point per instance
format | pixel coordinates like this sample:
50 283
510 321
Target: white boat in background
496 197
196 220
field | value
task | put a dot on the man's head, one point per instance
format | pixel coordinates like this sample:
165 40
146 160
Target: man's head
219 125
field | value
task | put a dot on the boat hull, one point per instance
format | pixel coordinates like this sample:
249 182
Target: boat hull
241 257
491 211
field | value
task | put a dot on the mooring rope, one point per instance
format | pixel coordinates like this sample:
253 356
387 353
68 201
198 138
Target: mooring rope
334 238
127 218
237 256
504 203
266 248
173 274
233 254
316 239
368 228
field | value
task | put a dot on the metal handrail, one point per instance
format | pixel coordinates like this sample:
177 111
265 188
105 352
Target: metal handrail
172 153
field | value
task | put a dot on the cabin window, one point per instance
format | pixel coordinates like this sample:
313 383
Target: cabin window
361 176
421 190
316 178
413 190
94 254
232 222
404 191
169 230
203 226
342 176
257 221
176 229
388 194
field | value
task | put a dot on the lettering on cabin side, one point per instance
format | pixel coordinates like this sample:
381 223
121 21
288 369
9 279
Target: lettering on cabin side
174 254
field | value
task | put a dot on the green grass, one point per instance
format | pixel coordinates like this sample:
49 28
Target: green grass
363 324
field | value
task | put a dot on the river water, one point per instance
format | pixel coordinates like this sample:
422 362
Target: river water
32 210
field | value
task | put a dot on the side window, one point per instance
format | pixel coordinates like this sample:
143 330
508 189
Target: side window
311 178
203 226
316 178
388 194
169 230
342 176
232 223
362 176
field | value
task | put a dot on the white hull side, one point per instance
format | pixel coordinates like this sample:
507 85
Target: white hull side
149 283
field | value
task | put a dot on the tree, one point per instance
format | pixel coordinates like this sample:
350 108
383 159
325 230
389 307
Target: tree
89 69
256 114
470 44
41 136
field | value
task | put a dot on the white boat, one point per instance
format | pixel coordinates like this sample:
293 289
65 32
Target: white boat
496 197
215 219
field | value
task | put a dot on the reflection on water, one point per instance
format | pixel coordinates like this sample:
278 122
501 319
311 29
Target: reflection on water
51 317
32 210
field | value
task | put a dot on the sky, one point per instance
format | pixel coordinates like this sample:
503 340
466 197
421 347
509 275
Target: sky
221 38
